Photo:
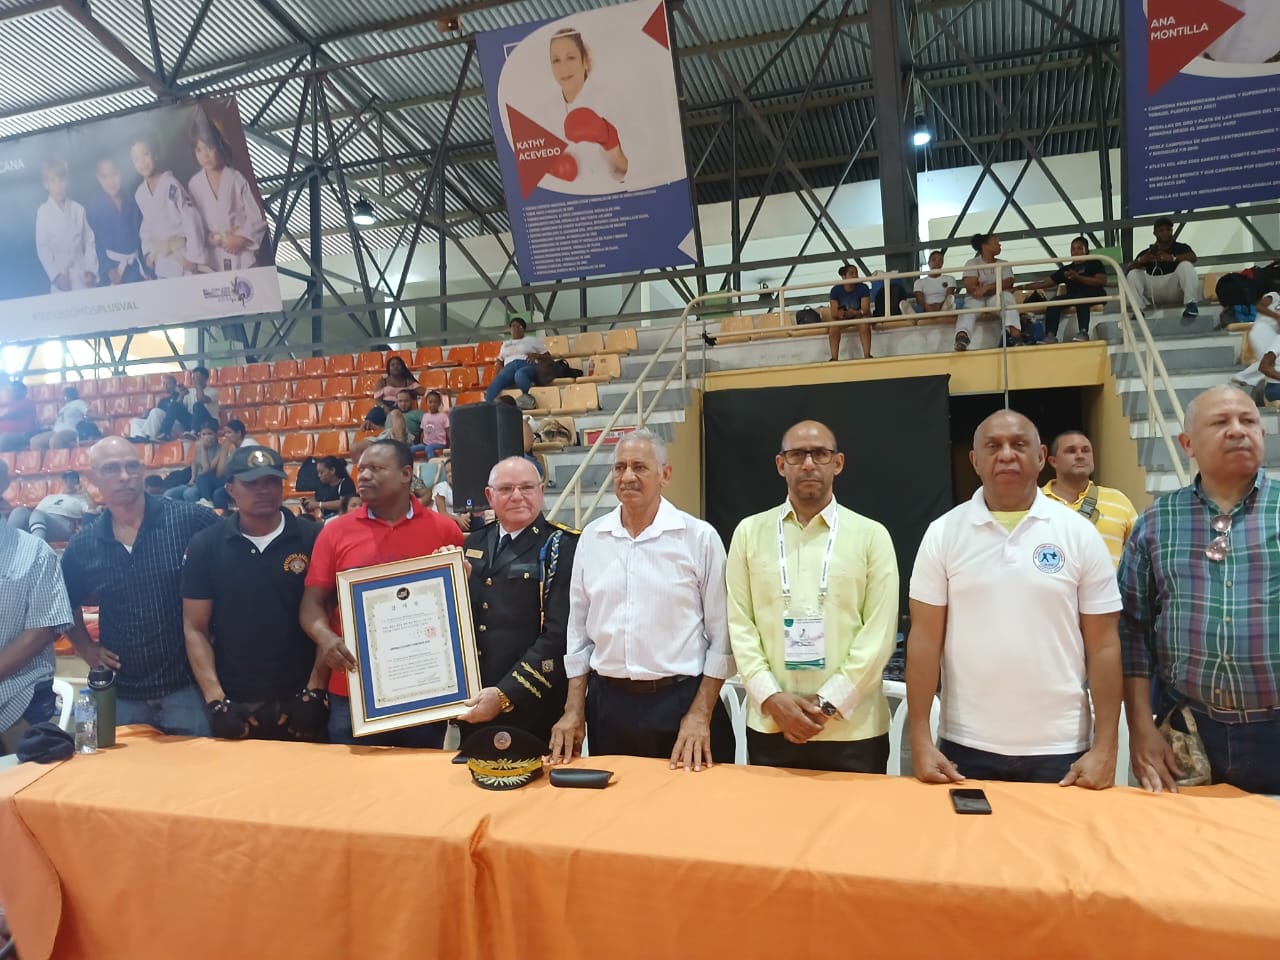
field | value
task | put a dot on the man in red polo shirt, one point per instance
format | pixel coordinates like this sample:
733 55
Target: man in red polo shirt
386 528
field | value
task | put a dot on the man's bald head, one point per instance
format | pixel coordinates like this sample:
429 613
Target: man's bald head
1007 455
117 470
1213 397
1005 421
110 448
811 431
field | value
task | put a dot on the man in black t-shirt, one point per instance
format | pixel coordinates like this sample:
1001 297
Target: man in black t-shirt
242 583
1082 278
1165 273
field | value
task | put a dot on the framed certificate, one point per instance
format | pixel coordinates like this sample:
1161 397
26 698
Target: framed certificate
409 625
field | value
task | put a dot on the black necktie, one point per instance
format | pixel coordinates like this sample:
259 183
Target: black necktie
504 542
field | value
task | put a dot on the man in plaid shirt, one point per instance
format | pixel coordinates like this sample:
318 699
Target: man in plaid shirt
1200 582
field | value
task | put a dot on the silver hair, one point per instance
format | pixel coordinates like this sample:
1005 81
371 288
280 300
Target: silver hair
1193 408
494 472
655 442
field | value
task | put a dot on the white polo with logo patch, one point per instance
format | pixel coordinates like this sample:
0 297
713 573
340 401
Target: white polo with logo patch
1013 665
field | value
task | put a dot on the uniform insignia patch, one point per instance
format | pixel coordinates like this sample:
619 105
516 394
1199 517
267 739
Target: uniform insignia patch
473 554
296 563
548 666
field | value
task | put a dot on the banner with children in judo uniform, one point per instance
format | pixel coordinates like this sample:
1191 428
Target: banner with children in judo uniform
132 222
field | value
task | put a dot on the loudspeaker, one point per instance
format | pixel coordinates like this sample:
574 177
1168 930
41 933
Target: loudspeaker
481 434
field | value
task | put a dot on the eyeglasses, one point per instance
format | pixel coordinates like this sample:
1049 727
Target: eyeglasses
114 468
820 455
507 489
1220 545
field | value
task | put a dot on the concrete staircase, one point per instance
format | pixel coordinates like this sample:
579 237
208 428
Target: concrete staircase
1197 356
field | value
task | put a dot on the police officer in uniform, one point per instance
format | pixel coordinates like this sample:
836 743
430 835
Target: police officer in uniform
519 584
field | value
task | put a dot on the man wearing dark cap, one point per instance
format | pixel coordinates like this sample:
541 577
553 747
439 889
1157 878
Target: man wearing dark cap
516 366
387 527
242 580
521 566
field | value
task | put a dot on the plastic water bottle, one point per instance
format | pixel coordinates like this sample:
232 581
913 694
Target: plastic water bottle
86 717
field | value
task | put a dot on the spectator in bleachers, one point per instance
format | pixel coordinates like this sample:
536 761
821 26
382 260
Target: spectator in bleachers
516 365
62 432
202 464
850 300
335 486
1165 273
397 378
407 407
991 573
434 427
379 424
18 421
154 485
56 517
35 611
128 563
259 673
168 412
1264 339
201 400
384 529
442 494
983 294
1087 278
931 290
882 307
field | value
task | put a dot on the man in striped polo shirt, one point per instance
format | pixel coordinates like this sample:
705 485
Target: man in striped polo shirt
1109 510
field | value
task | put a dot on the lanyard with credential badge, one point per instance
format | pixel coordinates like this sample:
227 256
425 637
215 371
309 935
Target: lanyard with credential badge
826 564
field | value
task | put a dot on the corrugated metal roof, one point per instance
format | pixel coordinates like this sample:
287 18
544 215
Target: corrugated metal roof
53 71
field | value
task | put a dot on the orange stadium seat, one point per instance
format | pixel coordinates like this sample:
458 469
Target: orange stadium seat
372 362
8 458
308 390
80 459
229 375
31 492
119 406
463 378
433 380
484 374
111 387
426 357
338 387
273 417
336 413
250 393
340 363
488 351
277 391
366 384
249 417
271 440
333 443
284 370
134 384
257 372
119 427
43 392
291 479
87 388
171 454
311 367
468 396
45 411
57 460
155 382
297 446
462 355
97 408
302 416
28 463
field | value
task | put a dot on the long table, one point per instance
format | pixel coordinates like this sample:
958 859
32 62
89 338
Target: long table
168 847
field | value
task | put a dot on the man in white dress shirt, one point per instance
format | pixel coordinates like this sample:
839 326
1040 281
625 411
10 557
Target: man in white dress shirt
648 625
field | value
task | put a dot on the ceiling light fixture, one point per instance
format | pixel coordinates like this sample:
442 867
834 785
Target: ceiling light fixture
362 213
922 135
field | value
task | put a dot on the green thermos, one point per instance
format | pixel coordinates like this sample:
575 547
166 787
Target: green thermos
102 681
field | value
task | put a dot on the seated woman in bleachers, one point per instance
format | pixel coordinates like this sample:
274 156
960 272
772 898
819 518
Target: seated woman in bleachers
397 378
335 484
984 294
380 424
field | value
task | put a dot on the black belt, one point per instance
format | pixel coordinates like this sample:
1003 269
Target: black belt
1228 715
642 686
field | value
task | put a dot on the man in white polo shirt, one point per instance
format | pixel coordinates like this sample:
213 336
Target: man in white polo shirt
1017 599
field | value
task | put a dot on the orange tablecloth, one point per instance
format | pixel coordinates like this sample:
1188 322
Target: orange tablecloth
193 848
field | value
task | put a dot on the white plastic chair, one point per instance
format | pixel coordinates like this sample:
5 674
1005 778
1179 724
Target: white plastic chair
66 695
734 696
897 690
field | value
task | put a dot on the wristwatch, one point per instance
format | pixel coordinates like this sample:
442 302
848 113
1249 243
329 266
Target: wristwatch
504 703
827 707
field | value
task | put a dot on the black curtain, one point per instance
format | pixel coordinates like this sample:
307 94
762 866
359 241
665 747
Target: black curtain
894 434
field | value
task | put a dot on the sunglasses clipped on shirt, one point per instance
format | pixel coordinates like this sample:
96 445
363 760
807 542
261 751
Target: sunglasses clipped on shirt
1220 545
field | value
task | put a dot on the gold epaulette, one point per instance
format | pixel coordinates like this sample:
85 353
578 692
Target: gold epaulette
567 529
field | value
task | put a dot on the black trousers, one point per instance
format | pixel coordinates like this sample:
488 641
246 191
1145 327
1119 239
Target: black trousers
1053 315
646 724
845 756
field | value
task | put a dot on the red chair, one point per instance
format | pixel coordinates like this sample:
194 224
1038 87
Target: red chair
250 393
302 416
308 390
462 355
484 375
248 416
57 460
427 357
46 411
271 440
170 454
463 378
337 387
28 463
434 380
43 392
374 362
336 413
111 387
135 384
311 367
366 385
8 458
229 375
284 370
257 372
340 363
298 446
488 351
80 459
155 382
97 408
276 391
468 396
31 492
119 406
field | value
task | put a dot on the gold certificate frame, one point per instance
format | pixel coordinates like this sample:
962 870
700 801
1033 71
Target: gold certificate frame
409 625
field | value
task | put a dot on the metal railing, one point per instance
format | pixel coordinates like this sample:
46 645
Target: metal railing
691 327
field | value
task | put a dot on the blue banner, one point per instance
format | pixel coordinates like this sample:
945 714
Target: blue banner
586 123
1201 84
